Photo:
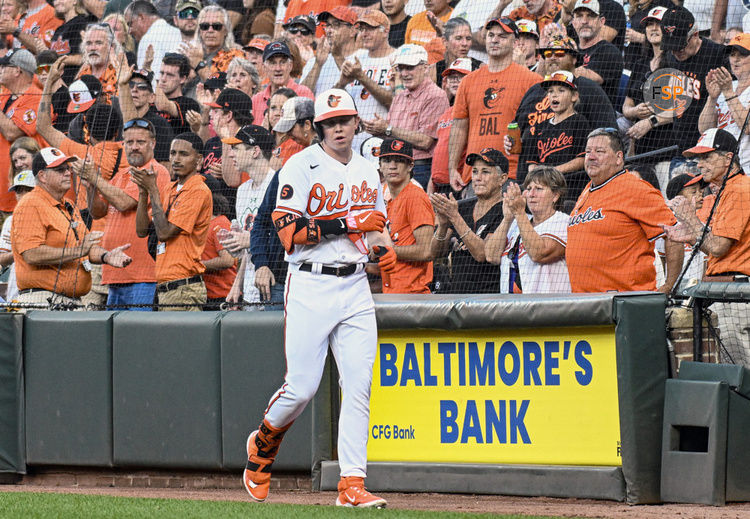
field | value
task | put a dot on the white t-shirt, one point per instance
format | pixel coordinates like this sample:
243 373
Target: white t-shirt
537 278
702 12
413 7
314 184
164 38
694 271
5 246
329 74
726 121
376 69
249 198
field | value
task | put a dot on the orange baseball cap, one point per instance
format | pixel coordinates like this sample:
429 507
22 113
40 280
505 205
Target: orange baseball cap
741 42
344 14
257 44
374 18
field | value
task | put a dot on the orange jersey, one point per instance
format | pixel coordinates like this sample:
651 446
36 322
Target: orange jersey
541 20
22 111
218 283
420 31
40 220
286 149
120 229
189 209
732 220
490 100
108 80
220 62
611 235
407 211
42 24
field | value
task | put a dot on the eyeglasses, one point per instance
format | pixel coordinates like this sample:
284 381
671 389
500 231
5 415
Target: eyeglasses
559 53
215 26
337 24
301 30
188 14
139 123
138 85
43 69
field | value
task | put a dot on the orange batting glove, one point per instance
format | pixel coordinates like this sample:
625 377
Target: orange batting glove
366 221
386 257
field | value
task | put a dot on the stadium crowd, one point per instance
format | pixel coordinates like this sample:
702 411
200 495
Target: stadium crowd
519 150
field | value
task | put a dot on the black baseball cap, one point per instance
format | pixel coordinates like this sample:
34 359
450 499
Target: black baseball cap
233 100
506 24
391 147
216 82
274 48
680 182
302 19
253 135
146 75
491 156
675 26
713 139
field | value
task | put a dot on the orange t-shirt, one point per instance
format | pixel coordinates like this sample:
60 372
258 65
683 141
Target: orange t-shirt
312 8
42 24
490 100
104 154
407 211
541 20
420 31
108 80
218 283
22 112
732 220
611 235
39 220
120 229
440 172
190 208
286 149
220 62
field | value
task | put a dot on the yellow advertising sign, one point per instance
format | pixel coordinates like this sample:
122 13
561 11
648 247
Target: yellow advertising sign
543 396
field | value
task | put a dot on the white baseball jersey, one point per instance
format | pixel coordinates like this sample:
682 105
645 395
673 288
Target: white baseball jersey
376 69
537 278
313 184
5 246
249 198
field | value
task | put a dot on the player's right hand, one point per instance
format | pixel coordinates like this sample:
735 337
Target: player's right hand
366 221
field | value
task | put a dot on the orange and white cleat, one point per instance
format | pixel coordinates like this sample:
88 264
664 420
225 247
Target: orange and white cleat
257 475
352 493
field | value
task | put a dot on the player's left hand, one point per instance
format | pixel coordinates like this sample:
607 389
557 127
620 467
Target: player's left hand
385 256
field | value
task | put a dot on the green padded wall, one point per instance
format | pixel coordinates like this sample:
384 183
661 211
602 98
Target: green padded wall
68 359
252 369
12 455
166 390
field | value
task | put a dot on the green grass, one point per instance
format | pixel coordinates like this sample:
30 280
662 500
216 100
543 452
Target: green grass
42 505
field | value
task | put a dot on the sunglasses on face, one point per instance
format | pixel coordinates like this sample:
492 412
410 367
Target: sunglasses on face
188 14
556 53
301 30
215 26
138 85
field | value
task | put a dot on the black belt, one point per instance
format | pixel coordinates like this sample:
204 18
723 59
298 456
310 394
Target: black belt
421 162
171 285
331 271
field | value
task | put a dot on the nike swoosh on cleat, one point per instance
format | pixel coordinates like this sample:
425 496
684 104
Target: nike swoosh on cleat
250 483
315 166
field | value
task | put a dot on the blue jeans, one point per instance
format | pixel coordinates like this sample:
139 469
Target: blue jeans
131 294
422 173
277 296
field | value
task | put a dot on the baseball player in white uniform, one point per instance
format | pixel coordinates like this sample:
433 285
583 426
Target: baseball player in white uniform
329 216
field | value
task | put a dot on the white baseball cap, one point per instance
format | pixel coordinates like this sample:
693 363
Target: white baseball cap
334 102
591 5
295 109
370 148
460 65
410 55
24 178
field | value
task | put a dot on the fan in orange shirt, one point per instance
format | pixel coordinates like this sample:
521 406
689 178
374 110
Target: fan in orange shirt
487 100
411 219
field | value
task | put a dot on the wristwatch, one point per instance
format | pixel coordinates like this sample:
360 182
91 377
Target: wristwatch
200 65
653 120
16 32
389 130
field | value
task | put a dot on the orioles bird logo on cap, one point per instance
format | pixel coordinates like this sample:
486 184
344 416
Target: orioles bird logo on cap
76 96
333 100
397 145
55 152
485 151
669 28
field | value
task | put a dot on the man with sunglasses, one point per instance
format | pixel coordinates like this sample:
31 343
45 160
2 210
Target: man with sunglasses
487 100
149 29
18 112
52 247
694 56
186 18
593 103
215 49
137 102
322 71
328 297
301 30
